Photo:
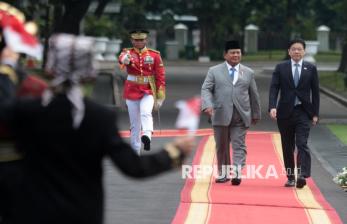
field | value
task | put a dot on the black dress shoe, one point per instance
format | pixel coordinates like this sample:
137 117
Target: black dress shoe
300 182
222 179
290 183
146 142
236 181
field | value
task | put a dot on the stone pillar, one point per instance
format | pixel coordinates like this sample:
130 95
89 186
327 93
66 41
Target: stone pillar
181 35
152 39
100 47
251 38
311 51
196 39
323 38
112 49
171 50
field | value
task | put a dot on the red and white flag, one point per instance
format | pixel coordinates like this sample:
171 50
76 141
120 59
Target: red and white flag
189 114
17 38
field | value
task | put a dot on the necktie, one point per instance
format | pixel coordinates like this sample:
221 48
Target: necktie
231 73
296 75
296 81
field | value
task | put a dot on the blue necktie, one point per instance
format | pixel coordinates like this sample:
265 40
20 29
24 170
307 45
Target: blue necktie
231 73
296 81
296 75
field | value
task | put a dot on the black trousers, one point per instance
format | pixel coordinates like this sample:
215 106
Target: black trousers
10 179
295 131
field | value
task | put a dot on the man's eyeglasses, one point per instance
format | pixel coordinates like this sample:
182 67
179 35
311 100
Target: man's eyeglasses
296 49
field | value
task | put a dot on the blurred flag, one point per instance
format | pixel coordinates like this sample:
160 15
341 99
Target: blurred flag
18 38
189 114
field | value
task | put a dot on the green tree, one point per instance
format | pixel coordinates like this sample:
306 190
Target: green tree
333 14
59 16
132 14
218 21
103 26
207 12
341 9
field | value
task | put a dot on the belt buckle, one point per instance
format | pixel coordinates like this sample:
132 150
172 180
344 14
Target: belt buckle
140 79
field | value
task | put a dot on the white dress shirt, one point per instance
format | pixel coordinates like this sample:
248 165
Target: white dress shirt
236 73
299 67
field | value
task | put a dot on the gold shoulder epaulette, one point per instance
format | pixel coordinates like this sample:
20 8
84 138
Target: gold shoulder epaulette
7 70
150 49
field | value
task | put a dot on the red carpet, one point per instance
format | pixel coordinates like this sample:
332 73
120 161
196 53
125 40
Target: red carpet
172 132
261 197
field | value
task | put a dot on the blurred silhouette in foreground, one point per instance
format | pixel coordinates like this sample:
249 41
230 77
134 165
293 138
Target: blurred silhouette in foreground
65 137
16 38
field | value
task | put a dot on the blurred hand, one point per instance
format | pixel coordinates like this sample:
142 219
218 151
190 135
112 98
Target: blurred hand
160 103
273 113
125 59
185 144
209 111
314 120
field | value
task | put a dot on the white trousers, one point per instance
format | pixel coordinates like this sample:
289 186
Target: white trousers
140 115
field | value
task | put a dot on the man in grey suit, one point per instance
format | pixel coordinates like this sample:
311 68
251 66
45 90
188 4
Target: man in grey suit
230 97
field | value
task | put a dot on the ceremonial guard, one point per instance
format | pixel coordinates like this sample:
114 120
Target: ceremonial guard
144 87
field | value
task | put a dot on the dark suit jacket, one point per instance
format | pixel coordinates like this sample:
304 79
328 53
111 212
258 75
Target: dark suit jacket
307 90
62 175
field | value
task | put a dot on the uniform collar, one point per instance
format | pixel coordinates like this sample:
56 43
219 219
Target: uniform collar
143 50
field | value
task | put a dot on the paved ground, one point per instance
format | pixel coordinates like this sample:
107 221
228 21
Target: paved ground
155 200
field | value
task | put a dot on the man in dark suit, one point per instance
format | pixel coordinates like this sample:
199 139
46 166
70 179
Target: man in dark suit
65 137
296 109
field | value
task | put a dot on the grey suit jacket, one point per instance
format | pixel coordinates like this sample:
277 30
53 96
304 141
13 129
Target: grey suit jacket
219 93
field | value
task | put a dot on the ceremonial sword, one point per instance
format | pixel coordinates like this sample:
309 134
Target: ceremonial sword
159 120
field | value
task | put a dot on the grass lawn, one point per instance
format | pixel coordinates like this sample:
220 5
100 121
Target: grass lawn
340 130
328 57
333 81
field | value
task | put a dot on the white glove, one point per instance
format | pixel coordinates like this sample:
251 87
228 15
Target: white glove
125 59
159 103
